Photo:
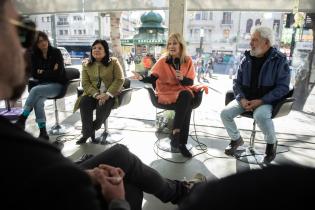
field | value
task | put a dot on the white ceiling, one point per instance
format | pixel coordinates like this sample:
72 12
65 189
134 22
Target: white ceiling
60 6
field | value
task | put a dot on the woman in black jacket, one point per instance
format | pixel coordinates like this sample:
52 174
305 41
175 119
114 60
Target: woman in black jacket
48 69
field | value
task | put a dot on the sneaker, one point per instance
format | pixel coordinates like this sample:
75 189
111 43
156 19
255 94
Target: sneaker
230 150
198 178
184 151
83 158
187 186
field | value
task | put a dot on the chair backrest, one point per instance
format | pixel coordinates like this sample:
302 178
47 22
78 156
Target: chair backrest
72 81
72 76
282 108
153 98
124 97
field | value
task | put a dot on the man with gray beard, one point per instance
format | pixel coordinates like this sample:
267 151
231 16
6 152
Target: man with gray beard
263 78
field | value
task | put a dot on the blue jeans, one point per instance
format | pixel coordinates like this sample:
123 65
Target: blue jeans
37 97
262 116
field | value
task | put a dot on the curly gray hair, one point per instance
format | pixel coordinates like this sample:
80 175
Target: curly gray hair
265 33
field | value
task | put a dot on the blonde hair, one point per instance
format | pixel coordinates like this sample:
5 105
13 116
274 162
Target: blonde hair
179 38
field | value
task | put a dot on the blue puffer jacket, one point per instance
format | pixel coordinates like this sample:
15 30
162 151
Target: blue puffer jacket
274 78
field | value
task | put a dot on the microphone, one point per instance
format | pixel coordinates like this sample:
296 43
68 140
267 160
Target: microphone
176 62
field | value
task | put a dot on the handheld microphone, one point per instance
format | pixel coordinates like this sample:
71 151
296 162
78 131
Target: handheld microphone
177 64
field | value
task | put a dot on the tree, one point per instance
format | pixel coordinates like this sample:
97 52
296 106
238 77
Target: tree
304 86
115 38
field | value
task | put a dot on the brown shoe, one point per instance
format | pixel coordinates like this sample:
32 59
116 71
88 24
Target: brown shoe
230 150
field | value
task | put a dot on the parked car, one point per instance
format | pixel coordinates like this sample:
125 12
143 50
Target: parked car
66 56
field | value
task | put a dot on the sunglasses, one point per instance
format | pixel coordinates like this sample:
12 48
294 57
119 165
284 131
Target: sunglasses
26 29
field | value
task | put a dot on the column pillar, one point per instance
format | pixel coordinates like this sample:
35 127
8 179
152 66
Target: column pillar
177 13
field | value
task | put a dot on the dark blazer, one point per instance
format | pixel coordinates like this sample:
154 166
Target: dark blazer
35 175
50 74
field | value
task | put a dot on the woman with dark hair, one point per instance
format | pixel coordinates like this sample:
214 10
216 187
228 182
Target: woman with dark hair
48 69
102 79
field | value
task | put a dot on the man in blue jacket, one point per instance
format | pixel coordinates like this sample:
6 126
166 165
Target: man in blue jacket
263 78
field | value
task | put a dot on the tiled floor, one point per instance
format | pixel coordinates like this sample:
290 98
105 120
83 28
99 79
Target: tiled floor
136 123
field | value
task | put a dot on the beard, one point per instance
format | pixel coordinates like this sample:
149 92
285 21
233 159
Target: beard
258 52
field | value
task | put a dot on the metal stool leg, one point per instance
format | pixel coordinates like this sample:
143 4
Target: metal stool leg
110 138
251 155
57 129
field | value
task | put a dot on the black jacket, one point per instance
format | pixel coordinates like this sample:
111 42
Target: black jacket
35 175
54 57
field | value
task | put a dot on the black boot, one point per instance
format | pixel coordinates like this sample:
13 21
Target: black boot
184 151
21 122
43 134
174 141
82 140
271 150
93 140
230 150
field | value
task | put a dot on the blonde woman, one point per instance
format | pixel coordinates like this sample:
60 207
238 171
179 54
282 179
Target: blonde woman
173 77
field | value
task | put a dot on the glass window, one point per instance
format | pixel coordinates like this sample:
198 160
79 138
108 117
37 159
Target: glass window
197 16
226 18
249 25
204 15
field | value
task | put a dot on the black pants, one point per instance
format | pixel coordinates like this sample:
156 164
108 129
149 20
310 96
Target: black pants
138 178
182 115
87 105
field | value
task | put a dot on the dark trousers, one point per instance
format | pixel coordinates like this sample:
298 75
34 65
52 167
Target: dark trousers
182 115
138 178
87 106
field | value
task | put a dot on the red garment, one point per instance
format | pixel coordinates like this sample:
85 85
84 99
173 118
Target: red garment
147 62
167 85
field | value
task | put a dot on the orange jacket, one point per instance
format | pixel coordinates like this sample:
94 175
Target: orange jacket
147 62
167 85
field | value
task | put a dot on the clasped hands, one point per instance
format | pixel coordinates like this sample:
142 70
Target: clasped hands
102 98
250 105
110 179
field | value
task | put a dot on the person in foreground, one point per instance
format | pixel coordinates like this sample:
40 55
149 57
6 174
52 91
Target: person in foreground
263 79
173 76
47 68
38 176
102 79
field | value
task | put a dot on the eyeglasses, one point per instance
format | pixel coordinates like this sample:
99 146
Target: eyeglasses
26 29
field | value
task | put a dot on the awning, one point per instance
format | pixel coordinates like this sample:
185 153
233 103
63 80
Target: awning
126 42
61 6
